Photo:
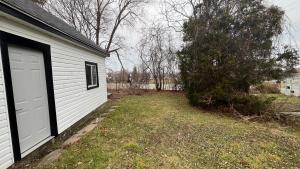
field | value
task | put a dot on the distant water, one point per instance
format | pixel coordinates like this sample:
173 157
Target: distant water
171 87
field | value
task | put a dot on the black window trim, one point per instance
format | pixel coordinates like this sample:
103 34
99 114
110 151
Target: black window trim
87 86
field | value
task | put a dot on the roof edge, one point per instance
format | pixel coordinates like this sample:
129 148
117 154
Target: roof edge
20 14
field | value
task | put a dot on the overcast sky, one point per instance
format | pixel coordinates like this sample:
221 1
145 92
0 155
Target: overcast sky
152 13
292 10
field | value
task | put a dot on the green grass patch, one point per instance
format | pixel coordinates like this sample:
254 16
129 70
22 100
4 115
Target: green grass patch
280 98
164 131
285 103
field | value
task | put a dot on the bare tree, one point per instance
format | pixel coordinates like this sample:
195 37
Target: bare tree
127 13
144 75
157 54
176 12
99 20
118 79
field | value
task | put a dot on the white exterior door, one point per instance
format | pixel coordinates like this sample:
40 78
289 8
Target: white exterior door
30 96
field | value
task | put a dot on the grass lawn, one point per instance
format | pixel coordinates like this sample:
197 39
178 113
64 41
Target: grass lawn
285 103
164 131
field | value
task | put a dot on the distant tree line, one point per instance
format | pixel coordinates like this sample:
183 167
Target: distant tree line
125 79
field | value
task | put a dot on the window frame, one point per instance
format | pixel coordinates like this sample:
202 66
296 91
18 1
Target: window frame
91 64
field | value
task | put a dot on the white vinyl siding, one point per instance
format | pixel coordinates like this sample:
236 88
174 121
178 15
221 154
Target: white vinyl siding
73 100
291 86
6 152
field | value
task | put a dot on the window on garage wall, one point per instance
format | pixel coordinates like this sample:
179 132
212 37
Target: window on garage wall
91 70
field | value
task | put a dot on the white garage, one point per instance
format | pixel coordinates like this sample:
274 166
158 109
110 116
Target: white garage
51 76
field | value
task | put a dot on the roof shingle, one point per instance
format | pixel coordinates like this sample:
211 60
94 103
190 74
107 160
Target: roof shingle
41 15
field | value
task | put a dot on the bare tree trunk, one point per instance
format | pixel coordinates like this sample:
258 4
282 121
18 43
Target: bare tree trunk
116 84
163 79
98 21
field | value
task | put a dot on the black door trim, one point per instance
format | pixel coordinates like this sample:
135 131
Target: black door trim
5 39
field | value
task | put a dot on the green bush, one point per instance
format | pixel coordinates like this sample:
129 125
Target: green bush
209 97
249 105
245 104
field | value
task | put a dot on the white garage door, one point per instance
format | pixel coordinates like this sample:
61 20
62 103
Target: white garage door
30 95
